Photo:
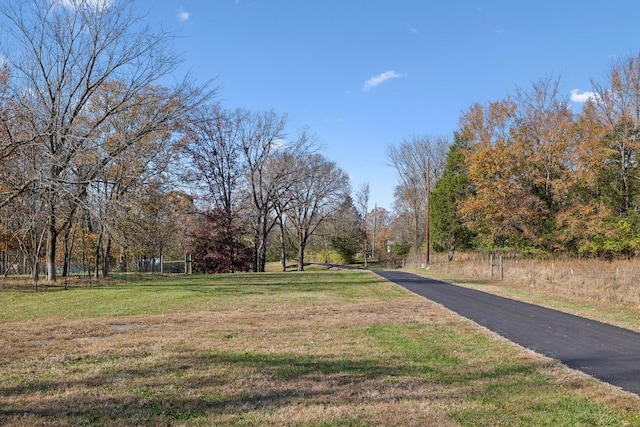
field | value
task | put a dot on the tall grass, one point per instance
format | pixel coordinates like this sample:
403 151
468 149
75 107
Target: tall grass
605 283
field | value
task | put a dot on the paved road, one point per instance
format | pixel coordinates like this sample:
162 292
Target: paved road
603 351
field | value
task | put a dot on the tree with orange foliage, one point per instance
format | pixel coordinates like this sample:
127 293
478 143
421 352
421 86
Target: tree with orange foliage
503 208
606 192
518 163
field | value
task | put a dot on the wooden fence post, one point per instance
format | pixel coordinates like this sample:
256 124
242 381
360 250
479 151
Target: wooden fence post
491 265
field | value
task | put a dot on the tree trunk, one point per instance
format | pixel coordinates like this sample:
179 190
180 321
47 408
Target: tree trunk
301 257
106 254
35 271
262 248
123 261
260 244
65 262
283 247
85 268
256 248
68 248
52 236
365 250
262 253
98 258
452 248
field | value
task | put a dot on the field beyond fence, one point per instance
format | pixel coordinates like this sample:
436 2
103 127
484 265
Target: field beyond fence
616 281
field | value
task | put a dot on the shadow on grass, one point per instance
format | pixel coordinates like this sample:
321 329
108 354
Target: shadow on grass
174 391
198 387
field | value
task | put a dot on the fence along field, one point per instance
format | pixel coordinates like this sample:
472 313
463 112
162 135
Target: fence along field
16 263
616 281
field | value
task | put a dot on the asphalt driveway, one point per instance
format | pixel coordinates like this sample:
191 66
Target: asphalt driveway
608 353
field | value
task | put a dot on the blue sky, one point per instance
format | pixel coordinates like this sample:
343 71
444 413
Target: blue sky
364 74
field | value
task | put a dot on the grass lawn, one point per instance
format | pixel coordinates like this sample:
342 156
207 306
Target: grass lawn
318 348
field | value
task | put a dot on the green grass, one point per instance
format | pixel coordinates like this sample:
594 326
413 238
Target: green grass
505 391
165 295
318 348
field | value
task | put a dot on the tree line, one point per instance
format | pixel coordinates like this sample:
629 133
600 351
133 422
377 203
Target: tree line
104 165
525 173
256 183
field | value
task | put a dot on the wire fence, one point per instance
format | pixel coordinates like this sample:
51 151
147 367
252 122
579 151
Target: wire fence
15 263
615 281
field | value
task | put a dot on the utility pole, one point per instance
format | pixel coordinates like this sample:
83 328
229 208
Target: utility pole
373 235
427 194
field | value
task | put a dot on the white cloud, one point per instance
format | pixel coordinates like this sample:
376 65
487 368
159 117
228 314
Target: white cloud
581 97
380 78
279 144
98 5
183 15
413 30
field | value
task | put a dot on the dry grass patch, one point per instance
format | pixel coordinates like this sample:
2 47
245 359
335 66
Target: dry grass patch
602 290
368 353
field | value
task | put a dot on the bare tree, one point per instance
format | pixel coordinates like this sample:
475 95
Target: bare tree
13 137
547 134
362 203
284 161
261 138
617 107
320 191
63 55
215 150
418 161
282 174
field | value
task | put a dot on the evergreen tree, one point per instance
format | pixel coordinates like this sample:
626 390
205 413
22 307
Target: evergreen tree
446 226
347 232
